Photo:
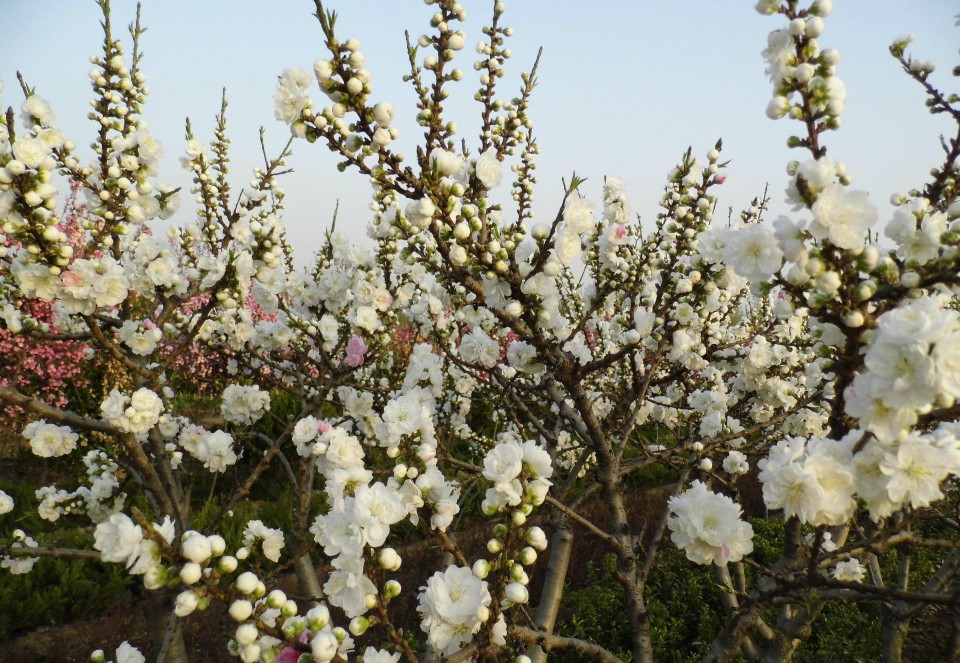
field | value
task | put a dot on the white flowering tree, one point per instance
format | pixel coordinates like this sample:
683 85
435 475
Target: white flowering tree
546 363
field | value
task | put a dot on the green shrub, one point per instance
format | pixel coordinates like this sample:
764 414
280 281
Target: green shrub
683 600
59 590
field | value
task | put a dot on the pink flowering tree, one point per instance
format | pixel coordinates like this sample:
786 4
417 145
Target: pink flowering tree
48 368
794 350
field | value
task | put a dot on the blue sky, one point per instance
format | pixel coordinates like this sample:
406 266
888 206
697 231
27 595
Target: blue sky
625 87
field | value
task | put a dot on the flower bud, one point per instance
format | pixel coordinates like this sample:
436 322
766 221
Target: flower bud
217 544
541 231
250 653
517 574
481 568
228 564
528 556
241 609
536 538
389 559
190 573
318 617
186 603
516 593
276 599
854 319
483 613
247 583
324 646
778 107
391 589
359 626
323 70
246 634
910 280
196 547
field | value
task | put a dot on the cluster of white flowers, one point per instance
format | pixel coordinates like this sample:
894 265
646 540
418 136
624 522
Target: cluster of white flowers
141 338
912 365
136 413
244 405
122 541
454 604
126 653
98 499
19 564
708 526
810 479
49 440
520 472
6 503
271 540
215 449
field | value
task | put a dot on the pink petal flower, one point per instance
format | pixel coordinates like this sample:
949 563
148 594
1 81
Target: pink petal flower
356 349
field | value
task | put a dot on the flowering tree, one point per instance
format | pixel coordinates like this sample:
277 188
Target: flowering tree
44 367
804 354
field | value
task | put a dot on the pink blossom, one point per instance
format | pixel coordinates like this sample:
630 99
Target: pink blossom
291 654
356 349
720 178
288 655
71 279
323 426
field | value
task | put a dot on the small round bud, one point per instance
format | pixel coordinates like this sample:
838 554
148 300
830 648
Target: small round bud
241 609
910 280
359 626
528 556
247 582
536 538
389 559
217 544
391 588
196 547
246 634
481 568
191 573
228 564
854 319
276 599
517 593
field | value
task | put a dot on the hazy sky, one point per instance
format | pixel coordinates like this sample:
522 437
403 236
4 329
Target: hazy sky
625 87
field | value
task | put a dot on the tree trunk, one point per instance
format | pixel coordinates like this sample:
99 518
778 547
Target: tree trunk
895 632
561 546
307 577
779 650
166 630
642 639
